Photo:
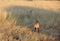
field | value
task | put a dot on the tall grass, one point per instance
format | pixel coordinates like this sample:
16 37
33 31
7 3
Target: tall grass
49 24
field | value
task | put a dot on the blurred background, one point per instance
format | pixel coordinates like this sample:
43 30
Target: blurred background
17 18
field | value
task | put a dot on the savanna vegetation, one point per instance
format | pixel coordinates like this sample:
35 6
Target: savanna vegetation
16 24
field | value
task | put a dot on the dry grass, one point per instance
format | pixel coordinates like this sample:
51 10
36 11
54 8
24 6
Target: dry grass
23 34
10 32
18 27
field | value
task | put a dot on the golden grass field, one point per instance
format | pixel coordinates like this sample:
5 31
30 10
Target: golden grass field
17 18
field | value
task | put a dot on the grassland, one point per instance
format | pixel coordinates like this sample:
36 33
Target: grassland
16 22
